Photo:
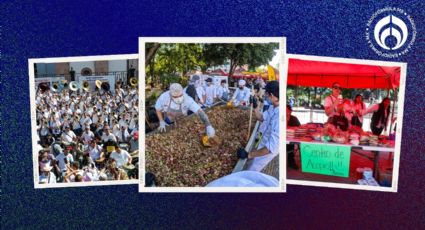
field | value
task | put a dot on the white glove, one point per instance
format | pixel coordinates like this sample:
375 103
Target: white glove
210 131
162 125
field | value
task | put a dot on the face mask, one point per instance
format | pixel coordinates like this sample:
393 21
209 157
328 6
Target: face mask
178 100
240 87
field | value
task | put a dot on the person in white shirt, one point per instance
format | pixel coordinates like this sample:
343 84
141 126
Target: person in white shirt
210 93
121 156
76 126
123 136
200 92
115 127
223 91
68 137
64 158
88 135
107 135
333 101
241 95
46 176
175 103
55 125
269 144
95 151
43 132
87 120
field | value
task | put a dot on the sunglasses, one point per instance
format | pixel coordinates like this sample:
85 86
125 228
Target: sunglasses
336 87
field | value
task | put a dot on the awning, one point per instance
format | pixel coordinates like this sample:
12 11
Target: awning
324 74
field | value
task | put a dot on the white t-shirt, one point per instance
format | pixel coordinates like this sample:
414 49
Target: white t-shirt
106 138
61 159
95 152
119 135
164 102
121 158
270 138
329 101
221 90
201 93
87 137
68 136
241 95
50 179
210 92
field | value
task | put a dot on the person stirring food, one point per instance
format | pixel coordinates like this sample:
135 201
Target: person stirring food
174 103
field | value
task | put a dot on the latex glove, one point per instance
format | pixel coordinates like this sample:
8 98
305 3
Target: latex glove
242 153
162 125
210 131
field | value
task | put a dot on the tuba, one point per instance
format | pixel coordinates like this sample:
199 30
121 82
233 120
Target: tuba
55 87
73 85
133 81
86 85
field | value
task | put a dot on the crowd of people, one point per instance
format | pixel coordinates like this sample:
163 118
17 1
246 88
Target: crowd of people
206 93
87 135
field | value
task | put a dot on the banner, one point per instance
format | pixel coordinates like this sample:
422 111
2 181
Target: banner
330 160
49 80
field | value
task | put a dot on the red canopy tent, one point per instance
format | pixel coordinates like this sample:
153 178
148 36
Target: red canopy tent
324 74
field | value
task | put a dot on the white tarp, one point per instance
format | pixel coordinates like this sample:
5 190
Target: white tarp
245 179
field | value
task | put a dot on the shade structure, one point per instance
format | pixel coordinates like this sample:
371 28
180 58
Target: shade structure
323 74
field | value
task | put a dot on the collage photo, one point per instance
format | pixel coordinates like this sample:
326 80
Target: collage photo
235 114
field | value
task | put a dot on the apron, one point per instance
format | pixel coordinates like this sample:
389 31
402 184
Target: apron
173 114
259 163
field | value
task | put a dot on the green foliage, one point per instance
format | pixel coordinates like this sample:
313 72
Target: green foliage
174 62
254 55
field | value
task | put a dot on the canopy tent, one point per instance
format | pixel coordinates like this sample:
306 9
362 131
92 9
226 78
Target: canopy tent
324 74
309 73
241 73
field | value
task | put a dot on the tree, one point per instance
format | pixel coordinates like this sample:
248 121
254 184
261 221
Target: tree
238 54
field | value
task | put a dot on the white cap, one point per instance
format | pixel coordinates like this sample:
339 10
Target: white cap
241 82
176 89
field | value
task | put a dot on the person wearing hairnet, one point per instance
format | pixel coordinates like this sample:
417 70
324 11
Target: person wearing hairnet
174 103
269 144
241 95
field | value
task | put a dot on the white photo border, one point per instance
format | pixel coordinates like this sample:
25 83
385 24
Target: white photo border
400 110
282 82
31 74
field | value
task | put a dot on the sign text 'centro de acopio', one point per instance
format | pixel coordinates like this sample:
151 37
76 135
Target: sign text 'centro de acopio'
330 160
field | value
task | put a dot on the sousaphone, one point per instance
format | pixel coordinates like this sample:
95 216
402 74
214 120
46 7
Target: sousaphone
73 85
86 85
133 82
55 87
102 85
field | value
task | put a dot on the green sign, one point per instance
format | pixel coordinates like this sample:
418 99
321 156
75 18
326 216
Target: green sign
331 160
